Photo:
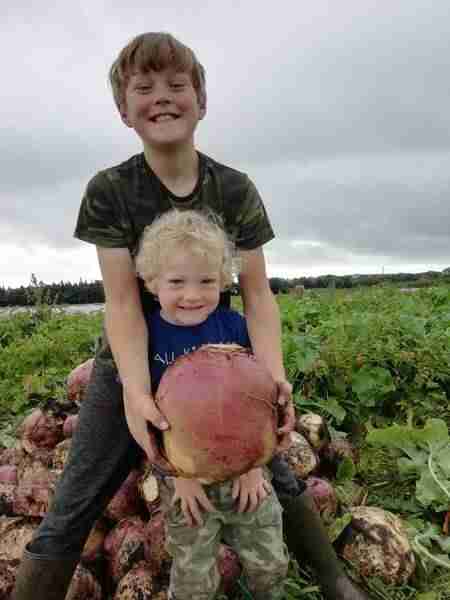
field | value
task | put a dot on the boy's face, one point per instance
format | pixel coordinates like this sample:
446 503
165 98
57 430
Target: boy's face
162 107
188 288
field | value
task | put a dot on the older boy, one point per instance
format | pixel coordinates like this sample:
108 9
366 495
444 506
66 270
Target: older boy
159 89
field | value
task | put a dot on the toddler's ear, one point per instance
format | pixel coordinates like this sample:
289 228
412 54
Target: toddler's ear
152 287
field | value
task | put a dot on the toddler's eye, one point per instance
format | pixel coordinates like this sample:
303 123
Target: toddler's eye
177 86
208 280
175 281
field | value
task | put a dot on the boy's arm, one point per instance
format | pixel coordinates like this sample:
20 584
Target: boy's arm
264 327
128 337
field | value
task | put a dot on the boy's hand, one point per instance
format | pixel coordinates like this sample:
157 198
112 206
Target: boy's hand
193 499
139 410
251 489
286 414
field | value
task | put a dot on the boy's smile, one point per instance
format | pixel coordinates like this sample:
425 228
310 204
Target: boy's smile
162 107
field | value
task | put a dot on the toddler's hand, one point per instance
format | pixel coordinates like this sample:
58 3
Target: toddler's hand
251 489
193 499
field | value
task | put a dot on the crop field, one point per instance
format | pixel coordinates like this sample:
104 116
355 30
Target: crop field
375 363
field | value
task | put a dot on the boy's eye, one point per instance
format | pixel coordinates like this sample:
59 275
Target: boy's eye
175 281
208 280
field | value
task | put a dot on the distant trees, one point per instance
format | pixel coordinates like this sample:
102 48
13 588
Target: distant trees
92 292
63 292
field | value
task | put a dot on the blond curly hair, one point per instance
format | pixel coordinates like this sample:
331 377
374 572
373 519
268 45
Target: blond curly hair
198 232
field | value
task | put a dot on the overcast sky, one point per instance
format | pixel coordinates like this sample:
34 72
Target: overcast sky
339 112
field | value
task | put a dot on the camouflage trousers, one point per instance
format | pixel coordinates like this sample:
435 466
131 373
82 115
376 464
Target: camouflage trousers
256 537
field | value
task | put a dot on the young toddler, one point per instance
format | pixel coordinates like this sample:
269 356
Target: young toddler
186 260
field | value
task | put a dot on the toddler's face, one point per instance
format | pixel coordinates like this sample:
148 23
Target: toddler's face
188 288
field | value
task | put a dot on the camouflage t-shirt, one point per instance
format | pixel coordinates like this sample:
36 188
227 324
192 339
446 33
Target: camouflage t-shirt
121 201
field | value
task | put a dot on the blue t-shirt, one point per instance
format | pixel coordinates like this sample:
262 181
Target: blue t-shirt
167 341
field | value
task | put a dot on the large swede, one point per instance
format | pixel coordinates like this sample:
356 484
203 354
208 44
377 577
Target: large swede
78 380
41 429
84 586
377 545
124 546
221 404
126 502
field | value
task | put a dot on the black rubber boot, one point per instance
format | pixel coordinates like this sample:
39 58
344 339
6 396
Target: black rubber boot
307 538
41 577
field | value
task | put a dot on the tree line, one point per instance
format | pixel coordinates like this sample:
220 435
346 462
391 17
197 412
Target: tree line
85 292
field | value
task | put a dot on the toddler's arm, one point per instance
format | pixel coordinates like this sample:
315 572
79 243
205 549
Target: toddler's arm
250 489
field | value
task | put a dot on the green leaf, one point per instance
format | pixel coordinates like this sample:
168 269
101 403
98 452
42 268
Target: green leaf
372 383
428 596
335 529
346 470
428 458
332 407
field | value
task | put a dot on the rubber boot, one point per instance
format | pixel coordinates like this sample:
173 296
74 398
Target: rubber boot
41 577
308 541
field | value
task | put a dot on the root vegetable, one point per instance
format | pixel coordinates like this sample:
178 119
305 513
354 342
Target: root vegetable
377 545
41 429
324 496
61 454
78 380
334 453
137 583
84 586
124 546
314 428
300 456
34 492
15 534
7 492
126 501
8 571
69 426
229 568
11 456
8 474
148 487
156 554
93 548
221 404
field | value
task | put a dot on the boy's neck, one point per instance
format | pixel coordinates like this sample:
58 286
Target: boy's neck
177 169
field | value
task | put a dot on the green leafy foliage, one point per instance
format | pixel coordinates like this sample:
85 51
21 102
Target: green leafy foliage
37 354
359 357
364 354
425 456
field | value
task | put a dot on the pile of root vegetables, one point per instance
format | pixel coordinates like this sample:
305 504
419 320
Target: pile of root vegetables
125 556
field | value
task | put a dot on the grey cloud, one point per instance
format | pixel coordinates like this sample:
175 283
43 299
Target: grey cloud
339 112
407 219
